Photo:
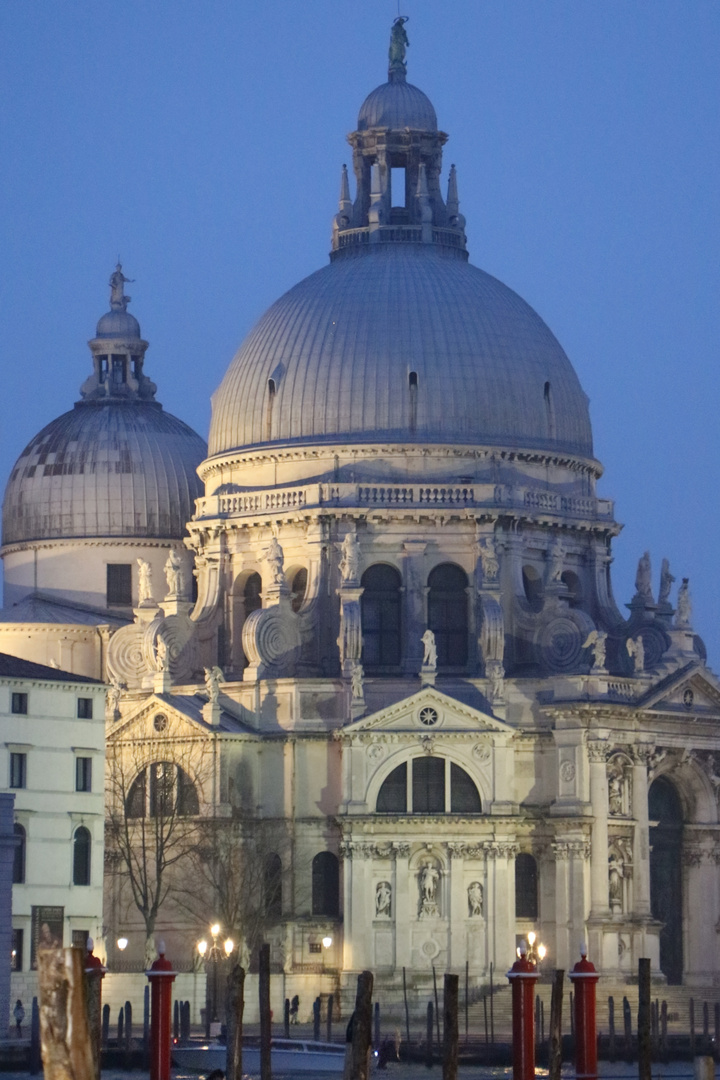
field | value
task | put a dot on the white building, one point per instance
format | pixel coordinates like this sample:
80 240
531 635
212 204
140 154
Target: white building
405 670
52 759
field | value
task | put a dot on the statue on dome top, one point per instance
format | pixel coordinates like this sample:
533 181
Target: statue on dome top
683 605
398 45
666 581
643 578
118 300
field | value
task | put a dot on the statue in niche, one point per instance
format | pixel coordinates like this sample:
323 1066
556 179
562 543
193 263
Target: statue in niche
556 557
174 574
350 558
643 578
398 41
383 900
684 605
666 581
161 653
428 879
113 697
213 678
475 899
356 682
596 640
430 654
615 792
118 300
275 557
488 558
495 674
144 581
615 886
636 652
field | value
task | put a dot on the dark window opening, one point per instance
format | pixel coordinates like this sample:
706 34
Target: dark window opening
413 379
83 774
549 410
252 594
119 584
574 587
428 785
464 796
18 770
380 608
392 797
448 614
534 589
170 792
271 387
273 886
19 855
79 939
16 955
81 856
85 708
19 704
119 369
325 884
526 887
103 368
298 589
666 884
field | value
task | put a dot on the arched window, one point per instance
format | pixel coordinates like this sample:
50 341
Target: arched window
574 587
81 856
273 886
448 614
666 891
325 884
298 589
162 790
437 786
534 589
19 855
380 606
252 594
526 887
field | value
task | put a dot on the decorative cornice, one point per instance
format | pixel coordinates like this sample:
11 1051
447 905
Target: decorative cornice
571 849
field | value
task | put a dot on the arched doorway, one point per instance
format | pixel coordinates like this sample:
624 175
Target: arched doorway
666 875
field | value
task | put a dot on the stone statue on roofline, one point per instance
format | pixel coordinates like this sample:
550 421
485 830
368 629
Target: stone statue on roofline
398 45
643 578
683 607
430 649
666 582
118 300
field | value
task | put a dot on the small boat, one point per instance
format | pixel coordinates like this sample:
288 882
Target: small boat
292 1056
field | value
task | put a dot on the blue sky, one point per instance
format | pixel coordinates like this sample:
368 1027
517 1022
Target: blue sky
203 143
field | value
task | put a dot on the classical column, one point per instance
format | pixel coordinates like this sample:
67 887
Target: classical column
403 913
458 905
641 848
597 752
502 868
562 904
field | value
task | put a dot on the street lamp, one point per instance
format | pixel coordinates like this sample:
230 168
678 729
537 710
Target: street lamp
122 943
213 954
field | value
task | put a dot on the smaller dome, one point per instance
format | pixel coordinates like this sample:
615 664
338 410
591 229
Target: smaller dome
397 105
118 324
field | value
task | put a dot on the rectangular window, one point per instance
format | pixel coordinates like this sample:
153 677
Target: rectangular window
18 770
85 708
16 956
79 939
428 785
83 774
119 583
20 704
315 947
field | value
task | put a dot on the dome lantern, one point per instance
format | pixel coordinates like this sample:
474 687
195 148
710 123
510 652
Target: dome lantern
118 352
396 141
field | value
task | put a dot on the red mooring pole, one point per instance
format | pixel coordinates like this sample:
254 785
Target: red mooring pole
523 976
584 978
161 976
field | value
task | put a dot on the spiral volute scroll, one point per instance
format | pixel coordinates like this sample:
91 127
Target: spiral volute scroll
271 639
560 639
126 656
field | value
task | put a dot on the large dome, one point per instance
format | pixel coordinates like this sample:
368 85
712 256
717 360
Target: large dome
340 347
102 470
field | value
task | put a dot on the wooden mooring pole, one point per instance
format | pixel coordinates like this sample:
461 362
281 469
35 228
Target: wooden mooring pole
64 1028
265 1022
644 1043
362 1028
450 1027
234 1022
555 1047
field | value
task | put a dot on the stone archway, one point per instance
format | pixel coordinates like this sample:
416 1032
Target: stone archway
666 892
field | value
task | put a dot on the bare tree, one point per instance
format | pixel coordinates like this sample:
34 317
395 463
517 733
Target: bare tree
153 819
239 863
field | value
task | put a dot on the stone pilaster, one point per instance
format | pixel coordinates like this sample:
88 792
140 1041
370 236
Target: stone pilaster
641 755
597 753
415 615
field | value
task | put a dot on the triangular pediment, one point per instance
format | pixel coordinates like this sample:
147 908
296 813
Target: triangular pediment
174 715
432 710
692 691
